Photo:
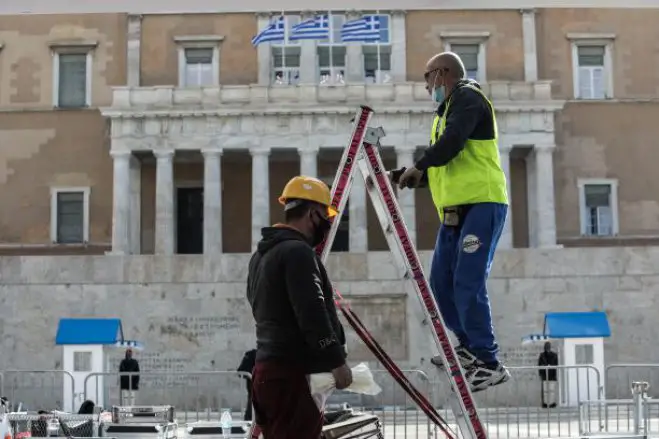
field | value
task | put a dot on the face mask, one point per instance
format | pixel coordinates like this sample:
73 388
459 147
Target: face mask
320 231
439 94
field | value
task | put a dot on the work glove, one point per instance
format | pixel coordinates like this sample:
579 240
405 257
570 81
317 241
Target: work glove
410 178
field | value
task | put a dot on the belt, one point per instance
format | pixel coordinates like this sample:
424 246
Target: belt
454 215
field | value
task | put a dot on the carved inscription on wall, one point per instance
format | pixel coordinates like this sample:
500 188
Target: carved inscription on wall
385 317
195 329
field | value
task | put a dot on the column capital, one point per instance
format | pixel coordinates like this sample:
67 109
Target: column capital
267 15
353 12
211 152
121 153
544 147
163 154
398 12
260 151
307 13
406 149
313 149
525 11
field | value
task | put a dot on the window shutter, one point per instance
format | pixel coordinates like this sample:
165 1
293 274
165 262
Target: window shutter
72 80
70 217
585 83
598 86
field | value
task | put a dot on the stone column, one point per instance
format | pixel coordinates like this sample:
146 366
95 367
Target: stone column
407 197
354 55
133 50
264 51
358 220
260 191
544 171
212 201
309 161
308 56
398 47
121 202
506 240
164 202
135 221
530 46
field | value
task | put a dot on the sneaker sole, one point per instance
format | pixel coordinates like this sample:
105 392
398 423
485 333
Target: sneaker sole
481 387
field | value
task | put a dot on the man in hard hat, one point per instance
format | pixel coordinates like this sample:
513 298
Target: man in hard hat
297 327
463 170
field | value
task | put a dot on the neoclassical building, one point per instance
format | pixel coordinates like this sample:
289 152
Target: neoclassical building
152 129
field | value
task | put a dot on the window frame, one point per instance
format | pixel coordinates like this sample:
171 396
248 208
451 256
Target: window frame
613 198
289 72
73 48
578 40
479 39
379 44
54 212
211 42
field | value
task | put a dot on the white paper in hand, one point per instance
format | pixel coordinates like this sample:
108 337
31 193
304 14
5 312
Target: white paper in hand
322 384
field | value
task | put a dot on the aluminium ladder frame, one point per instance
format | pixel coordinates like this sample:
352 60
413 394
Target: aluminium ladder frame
363 151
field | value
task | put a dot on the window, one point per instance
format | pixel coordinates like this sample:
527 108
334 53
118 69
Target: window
198 67
377 55
72 77
591 72
69 220
583 354
469 55
199 61
332 54
470 47
599 210
286 56
592 69
82 361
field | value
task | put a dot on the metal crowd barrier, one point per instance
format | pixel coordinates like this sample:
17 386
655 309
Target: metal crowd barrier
36 389
512 410
197 396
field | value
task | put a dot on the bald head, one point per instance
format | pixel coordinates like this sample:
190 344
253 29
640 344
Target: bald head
449 63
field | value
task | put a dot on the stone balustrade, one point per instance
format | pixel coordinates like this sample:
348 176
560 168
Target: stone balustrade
403 94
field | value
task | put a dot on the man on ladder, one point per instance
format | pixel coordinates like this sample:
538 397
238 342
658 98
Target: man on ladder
463 171
297 327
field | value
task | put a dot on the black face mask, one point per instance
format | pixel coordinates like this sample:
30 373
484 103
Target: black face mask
320 231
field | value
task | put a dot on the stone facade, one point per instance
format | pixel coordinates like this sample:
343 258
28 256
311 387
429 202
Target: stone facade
191 311
250 136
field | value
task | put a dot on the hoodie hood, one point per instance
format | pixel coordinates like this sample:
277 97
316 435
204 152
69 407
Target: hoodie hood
442 106
271 236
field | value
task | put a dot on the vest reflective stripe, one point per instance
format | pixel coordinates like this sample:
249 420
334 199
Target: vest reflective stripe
474 176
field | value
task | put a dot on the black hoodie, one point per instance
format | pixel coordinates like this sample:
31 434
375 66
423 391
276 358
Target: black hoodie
292 302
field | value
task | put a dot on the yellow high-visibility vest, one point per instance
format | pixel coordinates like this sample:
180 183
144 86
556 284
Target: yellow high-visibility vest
473 176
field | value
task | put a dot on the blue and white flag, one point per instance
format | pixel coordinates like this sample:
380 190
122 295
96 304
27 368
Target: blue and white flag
316 28
364 29
273 32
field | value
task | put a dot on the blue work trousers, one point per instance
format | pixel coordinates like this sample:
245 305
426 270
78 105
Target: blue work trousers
460 267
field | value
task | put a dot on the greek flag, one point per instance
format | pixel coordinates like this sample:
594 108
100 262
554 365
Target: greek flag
364 29
273 32
316 28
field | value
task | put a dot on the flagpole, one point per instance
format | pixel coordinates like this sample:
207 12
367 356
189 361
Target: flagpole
379 72
330 35
285 76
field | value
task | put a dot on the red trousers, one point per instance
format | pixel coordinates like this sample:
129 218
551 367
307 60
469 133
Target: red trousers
283 406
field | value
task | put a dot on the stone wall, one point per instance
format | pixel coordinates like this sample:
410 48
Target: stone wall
191 313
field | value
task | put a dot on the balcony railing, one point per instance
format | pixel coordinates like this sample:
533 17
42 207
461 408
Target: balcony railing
397 94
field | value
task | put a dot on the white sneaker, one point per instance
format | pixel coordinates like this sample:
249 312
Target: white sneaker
480 377
466 358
